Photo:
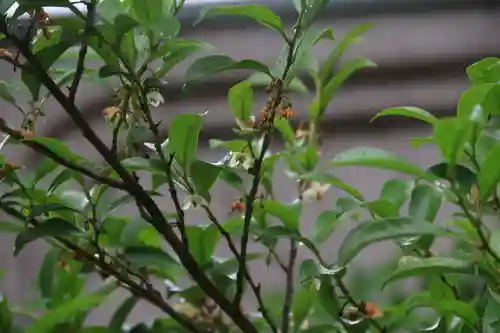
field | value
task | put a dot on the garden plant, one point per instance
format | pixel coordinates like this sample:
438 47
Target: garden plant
72 202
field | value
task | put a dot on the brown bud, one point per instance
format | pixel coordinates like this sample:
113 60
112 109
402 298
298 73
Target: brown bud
110 111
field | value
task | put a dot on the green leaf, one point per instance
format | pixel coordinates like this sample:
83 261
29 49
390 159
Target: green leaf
371 232
237 146
376 158
486 70
47 57
328 299
148 11
325 178
408 112
202 242
471 102
495 241
46 166
165 28
57 147
183 133
326 224
152 257
444 306
46 273
318 106
6 95
240 99
413 266
489 173
210 65
263 80
204 175
303 302
425 202
334 56
396 191
463 176
175 51
288 214
38 210
65 311
451 134
382 207
55 227
5 315
308 270
121 314
259 13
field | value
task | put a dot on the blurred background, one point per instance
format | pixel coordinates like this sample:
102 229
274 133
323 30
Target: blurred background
421 48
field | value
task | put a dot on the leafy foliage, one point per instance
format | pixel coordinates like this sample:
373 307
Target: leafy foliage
74 204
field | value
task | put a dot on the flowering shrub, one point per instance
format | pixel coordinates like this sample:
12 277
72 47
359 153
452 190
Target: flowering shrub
138 44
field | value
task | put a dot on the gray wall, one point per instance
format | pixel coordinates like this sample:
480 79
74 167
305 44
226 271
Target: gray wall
421 56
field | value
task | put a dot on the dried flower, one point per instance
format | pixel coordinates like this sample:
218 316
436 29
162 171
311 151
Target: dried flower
315 191
238 207
287 113
247 124
26 134
110 111
372 309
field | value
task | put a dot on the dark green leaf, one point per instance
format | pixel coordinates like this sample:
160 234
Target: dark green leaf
425 202
308 270
328 298
429 266
396 191
462 175
288 214
326 223
471 102
376 158
57 147
46 166
10 227
408 112
5 315
451 134
148 256
55 227
240 99
259 13
121 315
202 242
371 232
67 310
382 207
210 65
204 175
183 133
303 302
46 273
42 209
489 173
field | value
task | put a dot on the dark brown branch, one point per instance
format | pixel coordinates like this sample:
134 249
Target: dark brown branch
62 161
136 190
178 207
285 314
147 293
83 50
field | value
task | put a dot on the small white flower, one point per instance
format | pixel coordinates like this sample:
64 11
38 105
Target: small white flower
246 125
315 192
192 202
241 160
155 98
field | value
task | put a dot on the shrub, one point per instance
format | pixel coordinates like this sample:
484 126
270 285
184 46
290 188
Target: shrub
86 234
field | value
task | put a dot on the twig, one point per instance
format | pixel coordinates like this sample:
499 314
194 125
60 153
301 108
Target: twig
148 294
254 286
62 161
83 50
175 198
285 314
137 191
275 100
358 306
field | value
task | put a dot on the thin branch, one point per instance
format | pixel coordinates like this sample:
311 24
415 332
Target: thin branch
137 191
60 160
254 286
149 294
285 314
359 306
175 198
80 67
